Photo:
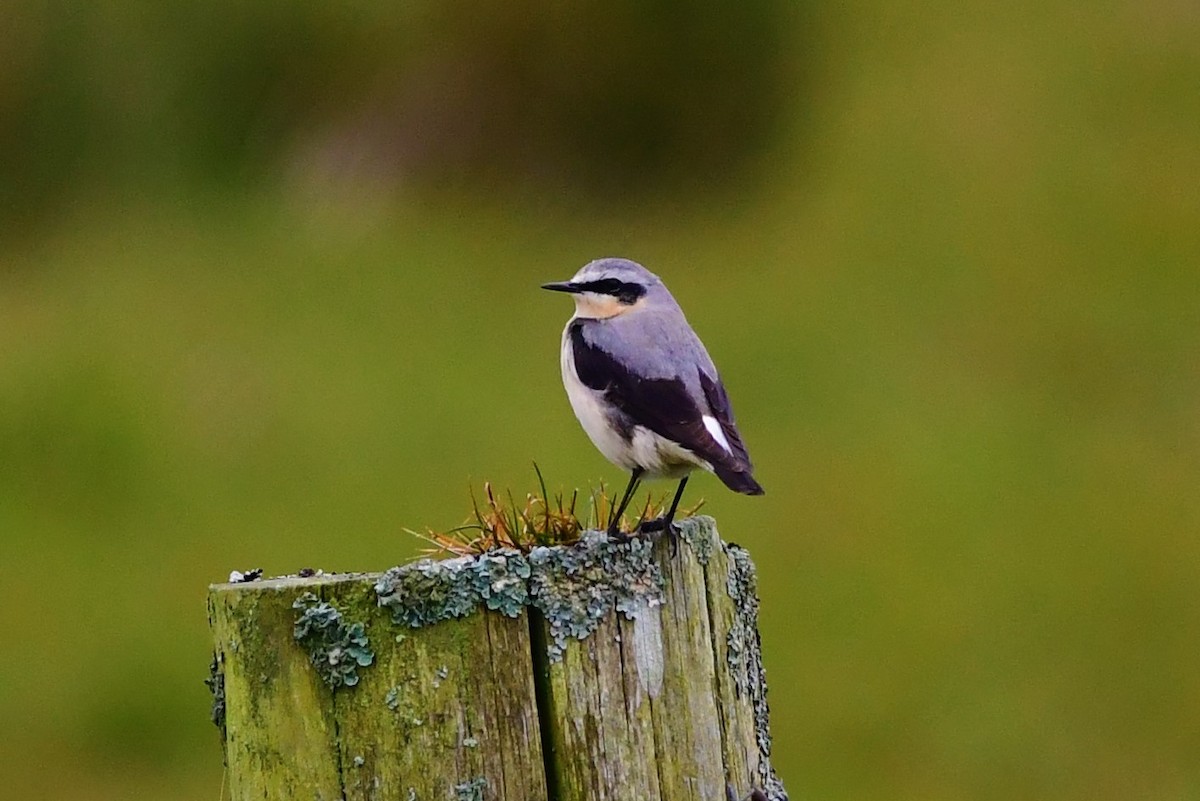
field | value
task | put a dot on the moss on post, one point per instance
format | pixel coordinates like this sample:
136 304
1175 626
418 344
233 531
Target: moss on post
600 671
443 711
280 727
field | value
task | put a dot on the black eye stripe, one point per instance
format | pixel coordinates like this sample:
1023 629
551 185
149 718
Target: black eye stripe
607 286
623 291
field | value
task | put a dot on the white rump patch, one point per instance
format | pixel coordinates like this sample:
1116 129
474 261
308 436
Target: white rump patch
718 433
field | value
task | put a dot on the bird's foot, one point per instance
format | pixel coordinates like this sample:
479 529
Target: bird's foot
667 527
651 526
616 535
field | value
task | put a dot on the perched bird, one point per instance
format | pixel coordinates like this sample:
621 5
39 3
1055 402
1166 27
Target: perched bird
643 386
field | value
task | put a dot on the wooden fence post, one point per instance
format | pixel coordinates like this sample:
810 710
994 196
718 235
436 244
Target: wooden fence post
626 671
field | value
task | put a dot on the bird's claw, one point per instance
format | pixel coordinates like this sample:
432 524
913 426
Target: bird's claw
668 527
650 526
618 536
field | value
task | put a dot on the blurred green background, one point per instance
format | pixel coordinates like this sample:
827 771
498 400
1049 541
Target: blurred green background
268 294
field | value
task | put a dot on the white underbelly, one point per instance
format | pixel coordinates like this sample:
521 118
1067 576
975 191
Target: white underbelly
656 455
661 458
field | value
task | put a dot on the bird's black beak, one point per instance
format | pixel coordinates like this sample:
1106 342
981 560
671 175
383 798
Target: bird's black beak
562 286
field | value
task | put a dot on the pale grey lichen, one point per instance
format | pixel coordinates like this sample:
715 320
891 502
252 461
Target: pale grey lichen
741 585
471 790
773 789
744 656
428 591
575 588
700 533
216 685
337 649
392 699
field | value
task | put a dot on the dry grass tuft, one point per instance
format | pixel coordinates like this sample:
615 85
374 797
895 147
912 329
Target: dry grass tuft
539 520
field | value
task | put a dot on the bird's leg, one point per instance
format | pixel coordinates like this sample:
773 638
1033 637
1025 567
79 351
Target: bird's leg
675 503
667 523
614 525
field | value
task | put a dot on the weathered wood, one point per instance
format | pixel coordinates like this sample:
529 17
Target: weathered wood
653 706
602 671
732 591
280 729
445 711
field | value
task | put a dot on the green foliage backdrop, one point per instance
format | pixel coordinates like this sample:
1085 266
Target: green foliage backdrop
268 294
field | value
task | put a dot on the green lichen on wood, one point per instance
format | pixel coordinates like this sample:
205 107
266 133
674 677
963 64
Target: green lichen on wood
270 687
646 707
428 591
700 536
463 701
466 678
687 723
739 739
647 660
630 708
740 585
337 649
575 588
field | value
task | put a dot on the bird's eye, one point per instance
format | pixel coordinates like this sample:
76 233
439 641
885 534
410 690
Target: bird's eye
605 286
625 292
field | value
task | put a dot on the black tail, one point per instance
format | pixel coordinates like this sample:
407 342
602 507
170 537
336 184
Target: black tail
739 481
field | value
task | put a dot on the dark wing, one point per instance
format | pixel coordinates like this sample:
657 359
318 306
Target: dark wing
665 406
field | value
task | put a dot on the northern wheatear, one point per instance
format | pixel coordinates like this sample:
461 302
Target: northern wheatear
643 386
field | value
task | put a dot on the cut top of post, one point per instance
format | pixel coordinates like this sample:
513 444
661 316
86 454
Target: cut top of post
602 670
